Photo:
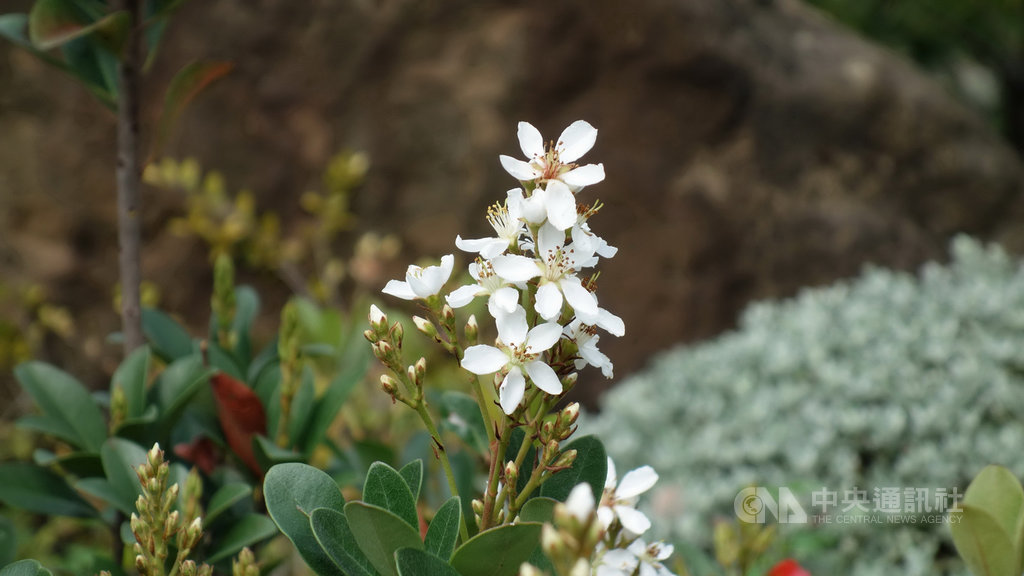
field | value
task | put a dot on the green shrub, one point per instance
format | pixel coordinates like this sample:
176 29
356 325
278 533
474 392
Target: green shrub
885 380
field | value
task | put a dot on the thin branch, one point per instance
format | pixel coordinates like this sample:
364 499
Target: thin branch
128 182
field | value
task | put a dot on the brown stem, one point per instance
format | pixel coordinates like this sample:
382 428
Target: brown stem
128 182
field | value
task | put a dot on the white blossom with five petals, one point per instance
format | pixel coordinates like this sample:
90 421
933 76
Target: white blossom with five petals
619 498
556 162
519 349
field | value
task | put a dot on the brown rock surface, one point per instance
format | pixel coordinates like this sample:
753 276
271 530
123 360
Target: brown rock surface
751 147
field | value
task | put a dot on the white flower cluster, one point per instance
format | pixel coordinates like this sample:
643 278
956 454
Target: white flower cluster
620 551
543 247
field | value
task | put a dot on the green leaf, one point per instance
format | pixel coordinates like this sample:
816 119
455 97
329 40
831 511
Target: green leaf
538 509
29 487
354 366
464 466
14 28
120 459
55 22
8 541
101 489
178 383
498 551
224 498
413 562
247 308
379 534
335 536
50 426
302 406
591 466
386 488
94 66
250 530
25 568
444 529
81 464
292 492
412 473
185 86
269 454
985 547
66 403
131 376
169 340
460 415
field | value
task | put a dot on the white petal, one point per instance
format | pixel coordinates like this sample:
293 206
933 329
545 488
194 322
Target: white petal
516 268
530 140
610 322
399 289
376 316
647 570
606 515
611 478
560 205
463 295
544 377
512 327
582 300
506 299
584 175
632 519
636 482
580 502
420 285
550 239
549 301
543 336
482 359
575 141
534 210
518 169
620 559
486 247
510 394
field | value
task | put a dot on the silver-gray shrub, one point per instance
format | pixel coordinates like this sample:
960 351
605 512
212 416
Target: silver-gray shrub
889 379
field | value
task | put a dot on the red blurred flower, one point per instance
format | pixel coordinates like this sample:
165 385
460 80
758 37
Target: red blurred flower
788 567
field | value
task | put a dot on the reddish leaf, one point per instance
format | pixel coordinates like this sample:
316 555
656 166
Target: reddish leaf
202 452
241 416
54 22
788 567
186 85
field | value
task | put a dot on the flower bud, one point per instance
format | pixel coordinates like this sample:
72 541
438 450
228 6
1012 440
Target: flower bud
547 429
473 333
188 568
569 381
370 336
426 327
478 506
155 456
580 568
569 414
141 566
550 452
527 569
388 384
171 524
377 317
511 474
193 533
397 333
566 459
420 369
448 316
551 542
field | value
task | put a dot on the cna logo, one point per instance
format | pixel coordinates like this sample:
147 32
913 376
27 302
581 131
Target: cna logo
753 504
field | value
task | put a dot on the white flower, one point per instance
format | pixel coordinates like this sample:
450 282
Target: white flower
557 162
584 238
421 282
505 219
580 502
586 342
554 204
604 319
624 562
619 498
503 298
520 349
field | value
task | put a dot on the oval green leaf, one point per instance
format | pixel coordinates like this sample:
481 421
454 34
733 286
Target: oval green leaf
25 568
293 491
983 544
130 376
29 487
386 488
379 534
250 530
169 340
590 466
412 473
444 529
413 562
498 551
226 497
538 509
65 402
335 536
120 459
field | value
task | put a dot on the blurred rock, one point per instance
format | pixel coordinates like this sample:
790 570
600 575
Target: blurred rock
751 147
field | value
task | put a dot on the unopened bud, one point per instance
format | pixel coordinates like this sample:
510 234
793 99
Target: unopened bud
155 456
370 335
388 384
377 317
580 568
397 333
188 568
421 369
171 524
569 381
511 474
527 569
566 459
448 315
547 430
472 330
551 541
425 326
193 533
478 506
550 451
140 565
569 414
